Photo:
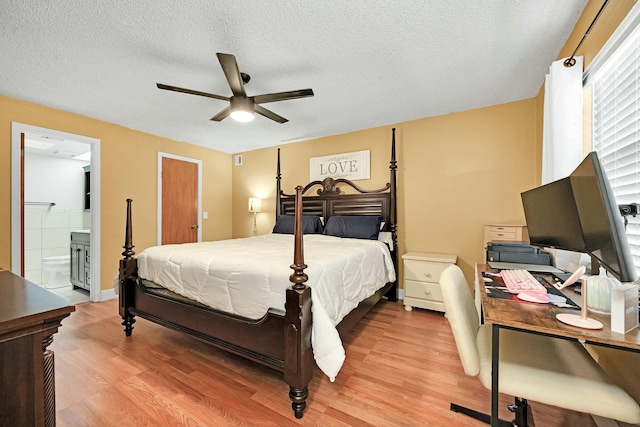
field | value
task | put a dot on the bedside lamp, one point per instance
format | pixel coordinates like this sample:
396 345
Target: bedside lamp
255 206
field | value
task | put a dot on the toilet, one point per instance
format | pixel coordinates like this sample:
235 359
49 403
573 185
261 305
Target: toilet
59 268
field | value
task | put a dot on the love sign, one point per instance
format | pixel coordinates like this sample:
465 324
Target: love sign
351 166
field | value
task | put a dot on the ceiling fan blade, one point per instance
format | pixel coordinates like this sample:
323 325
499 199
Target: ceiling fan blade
221 115
232 73
192 92
270 114
282 96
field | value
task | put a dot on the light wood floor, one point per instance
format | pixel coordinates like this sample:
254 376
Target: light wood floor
402 369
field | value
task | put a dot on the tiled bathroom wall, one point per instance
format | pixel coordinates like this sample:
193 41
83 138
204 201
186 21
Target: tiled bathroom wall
47 229
47 232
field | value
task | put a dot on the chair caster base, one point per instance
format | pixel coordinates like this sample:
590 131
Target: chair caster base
523 415
480 416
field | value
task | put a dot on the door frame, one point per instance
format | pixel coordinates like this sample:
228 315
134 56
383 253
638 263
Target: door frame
162 155
16 222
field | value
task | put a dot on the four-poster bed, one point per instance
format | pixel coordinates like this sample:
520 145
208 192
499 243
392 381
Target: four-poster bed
280 339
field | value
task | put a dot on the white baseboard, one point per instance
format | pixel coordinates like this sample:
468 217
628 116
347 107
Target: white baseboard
107 294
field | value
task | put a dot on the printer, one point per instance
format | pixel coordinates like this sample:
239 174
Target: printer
517 252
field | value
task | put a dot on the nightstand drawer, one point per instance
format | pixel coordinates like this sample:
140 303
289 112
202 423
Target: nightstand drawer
422 290
494 234
423 271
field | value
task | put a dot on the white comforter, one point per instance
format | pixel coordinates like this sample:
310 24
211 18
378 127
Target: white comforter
248 276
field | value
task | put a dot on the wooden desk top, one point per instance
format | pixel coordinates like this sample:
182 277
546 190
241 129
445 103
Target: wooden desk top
23 303
542 318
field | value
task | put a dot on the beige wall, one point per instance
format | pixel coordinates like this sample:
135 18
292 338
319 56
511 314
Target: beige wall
455 173
128 170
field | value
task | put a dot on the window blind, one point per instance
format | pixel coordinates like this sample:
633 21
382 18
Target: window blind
616 126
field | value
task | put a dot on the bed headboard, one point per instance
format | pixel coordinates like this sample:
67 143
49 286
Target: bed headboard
330 200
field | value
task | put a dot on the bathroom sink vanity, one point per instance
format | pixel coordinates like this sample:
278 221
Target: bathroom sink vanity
81 259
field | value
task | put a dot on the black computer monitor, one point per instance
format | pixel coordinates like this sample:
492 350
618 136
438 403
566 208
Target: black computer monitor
579 213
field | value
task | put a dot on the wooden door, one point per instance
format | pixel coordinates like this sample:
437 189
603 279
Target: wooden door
22 204
179 201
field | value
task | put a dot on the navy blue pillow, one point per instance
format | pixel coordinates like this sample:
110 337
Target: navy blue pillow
354 226
311 224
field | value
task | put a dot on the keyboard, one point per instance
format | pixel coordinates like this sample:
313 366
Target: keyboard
517 281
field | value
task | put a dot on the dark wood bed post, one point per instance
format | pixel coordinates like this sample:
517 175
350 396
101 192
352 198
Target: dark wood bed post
278 188
298 359
393 214
128 268
393 166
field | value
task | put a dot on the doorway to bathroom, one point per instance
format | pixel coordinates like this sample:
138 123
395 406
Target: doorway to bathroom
55 193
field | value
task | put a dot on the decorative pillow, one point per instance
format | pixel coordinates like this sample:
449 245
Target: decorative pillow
354 226
311 224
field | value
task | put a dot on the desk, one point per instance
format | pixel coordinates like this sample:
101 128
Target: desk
540 318
29 316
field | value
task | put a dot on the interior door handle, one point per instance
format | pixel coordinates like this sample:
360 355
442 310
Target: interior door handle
193 227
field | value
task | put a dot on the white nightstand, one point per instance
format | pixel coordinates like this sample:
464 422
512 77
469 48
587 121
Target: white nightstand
421 279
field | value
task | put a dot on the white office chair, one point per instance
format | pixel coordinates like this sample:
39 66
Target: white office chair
549 370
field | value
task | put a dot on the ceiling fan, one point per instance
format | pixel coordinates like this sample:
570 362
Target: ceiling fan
242 107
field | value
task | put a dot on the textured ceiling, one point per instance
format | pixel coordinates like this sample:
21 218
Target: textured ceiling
369 62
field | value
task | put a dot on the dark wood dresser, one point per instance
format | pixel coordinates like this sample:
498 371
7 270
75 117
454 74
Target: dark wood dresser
29 316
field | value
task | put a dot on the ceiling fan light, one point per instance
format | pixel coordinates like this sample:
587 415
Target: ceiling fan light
242 109
242 116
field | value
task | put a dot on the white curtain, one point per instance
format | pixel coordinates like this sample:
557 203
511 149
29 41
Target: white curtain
562 126
562 136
